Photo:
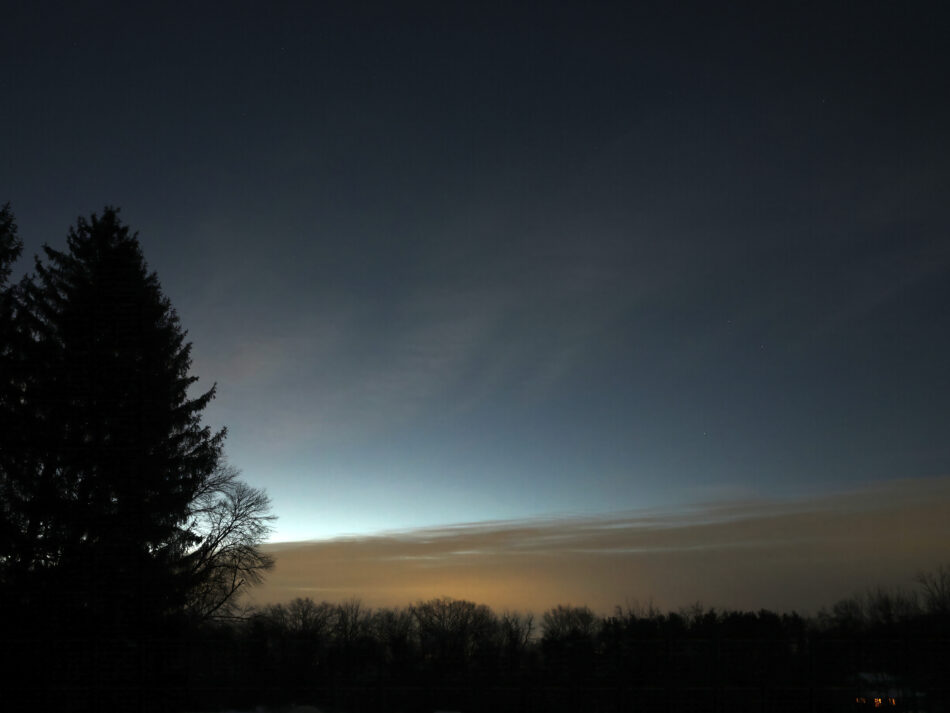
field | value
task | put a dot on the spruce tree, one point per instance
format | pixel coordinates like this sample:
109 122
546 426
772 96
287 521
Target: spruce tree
10 366
120 522
120 513
10 245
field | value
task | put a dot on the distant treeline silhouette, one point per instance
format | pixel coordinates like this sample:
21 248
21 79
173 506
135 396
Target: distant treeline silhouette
458 655
883 649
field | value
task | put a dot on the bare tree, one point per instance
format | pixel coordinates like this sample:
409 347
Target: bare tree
228 520
452 629
301 618
564 622
515 633
890 607
936 587
638 610
304 616
395 629
516 629
351 622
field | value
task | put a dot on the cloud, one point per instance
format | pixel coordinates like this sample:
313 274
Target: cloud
799 555
354 368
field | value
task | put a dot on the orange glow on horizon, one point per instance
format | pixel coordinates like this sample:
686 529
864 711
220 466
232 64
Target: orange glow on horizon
760 556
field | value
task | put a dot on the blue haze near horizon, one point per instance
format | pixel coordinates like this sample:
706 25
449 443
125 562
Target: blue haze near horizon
497 262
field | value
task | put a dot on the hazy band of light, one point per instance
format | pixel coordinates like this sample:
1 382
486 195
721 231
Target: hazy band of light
746 555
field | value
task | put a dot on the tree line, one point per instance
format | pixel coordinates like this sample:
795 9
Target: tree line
879 650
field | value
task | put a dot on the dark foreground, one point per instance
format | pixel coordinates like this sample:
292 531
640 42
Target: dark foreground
458 656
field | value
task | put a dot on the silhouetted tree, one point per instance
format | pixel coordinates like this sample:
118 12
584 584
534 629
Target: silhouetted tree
936 590
395 630
301 618
120 517
229 520
567 622
10 363
452 631
568 641
23 484
516 630
10 244
352 621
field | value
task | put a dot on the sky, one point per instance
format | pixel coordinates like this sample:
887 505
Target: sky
780 555
472 264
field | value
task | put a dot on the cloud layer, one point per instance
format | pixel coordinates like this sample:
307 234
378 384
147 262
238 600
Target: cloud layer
783 556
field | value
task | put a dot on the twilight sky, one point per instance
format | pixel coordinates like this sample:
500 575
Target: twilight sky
519 261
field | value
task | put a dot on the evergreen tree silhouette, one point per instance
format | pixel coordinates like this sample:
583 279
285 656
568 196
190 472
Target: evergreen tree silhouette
124 446
112 487
11 367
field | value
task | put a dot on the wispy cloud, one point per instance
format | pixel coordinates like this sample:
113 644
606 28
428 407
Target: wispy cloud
357 365
746 554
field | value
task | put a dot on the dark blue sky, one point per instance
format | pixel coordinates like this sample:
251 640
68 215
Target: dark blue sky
483 262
